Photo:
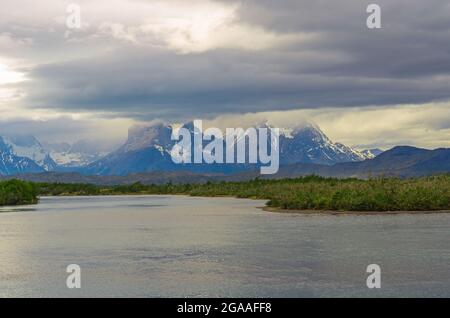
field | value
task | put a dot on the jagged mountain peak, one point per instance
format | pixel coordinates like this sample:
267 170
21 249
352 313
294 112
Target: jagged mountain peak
28 146
311 131
148 148
144 136
10 163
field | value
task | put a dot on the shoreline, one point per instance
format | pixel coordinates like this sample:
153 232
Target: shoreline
343 213
263 208
275 209
298 195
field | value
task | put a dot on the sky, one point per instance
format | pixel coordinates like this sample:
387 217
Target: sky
230 62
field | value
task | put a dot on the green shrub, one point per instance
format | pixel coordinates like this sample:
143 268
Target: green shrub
14 192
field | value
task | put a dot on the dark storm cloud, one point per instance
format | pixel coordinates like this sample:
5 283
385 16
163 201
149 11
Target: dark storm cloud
343 64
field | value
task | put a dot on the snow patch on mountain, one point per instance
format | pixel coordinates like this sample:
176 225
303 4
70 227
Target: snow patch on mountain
78 154
11 164
372 153
29 147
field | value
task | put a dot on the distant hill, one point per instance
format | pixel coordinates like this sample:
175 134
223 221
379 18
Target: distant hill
145 178
401 161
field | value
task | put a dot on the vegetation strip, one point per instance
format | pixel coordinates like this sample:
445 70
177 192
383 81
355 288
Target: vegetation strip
306 193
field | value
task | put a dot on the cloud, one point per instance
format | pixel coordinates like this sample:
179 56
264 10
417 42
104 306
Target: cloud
8 76
106 133
164 59
425 125
162 83
197 27
176 60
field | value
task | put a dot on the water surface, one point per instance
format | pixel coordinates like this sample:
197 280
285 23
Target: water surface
176 246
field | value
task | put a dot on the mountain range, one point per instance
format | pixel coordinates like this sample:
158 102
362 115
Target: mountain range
401 161
78 154
148 148
303 150
24 153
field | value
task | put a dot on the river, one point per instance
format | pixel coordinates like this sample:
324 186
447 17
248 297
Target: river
178 246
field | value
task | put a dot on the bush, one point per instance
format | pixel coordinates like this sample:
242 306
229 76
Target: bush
14 192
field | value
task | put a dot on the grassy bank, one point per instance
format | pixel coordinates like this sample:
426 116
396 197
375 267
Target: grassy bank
307 193
15 192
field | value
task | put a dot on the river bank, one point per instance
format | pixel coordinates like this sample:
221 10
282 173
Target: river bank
300 194
362 213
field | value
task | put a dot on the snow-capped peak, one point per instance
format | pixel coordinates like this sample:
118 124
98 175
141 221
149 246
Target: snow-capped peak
29 147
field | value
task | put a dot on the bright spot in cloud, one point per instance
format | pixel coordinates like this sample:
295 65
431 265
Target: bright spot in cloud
192 27
8 76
